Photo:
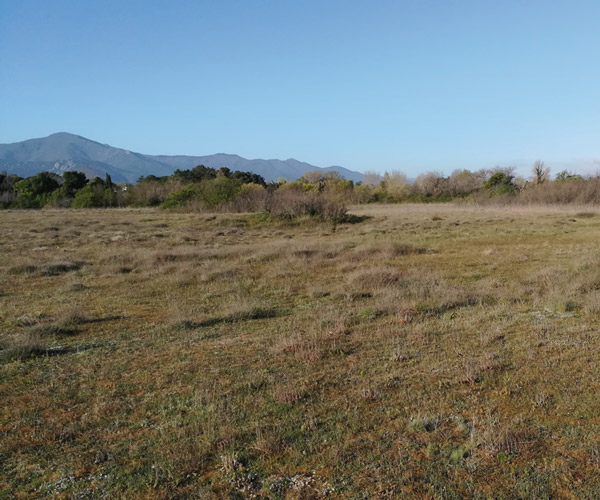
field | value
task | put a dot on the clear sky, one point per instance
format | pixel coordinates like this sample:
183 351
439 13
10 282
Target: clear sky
409 85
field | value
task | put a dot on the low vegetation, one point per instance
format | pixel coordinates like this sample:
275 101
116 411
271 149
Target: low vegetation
326 195
423 351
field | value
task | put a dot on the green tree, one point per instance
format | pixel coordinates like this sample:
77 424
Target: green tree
96 194
500 183
196 174
90 196
35 191
182 196
8 194
219 190
72 182
248 178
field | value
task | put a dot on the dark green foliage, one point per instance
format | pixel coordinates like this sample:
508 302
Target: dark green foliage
202 173
35 191
219 190
73 182
210 188
8 194
89 197
98 182
248 178
224 172
209 193
500 183
181 197
97 194
153 178
196 174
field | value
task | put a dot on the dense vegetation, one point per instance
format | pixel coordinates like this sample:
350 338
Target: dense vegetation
316 193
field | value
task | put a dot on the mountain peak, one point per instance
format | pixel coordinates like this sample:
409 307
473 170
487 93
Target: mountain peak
64 151
64 134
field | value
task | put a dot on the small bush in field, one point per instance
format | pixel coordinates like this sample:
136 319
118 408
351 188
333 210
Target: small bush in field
292 203
26 345
72 317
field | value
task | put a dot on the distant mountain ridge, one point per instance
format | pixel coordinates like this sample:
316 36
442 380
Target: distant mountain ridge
63 151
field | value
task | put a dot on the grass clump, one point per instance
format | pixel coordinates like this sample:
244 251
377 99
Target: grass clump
423 424
48 330
251 314
399 249
72 316
78 287
57 268
459 454
23 346
375 278
23 269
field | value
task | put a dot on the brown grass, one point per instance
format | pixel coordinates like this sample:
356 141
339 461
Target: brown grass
426 352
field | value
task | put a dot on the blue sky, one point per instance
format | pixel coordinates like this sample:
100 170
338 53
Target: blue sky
408 85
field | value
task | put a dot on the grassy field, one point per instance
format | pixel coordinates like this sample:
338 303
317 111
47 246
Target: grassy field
419 352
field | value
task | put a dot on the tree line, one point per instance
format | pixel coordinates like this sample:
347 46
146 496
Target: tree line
316 192
74 189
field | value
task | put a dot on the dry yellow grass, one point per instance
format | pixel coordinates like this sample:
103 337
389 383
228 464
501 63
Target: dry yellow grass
438 351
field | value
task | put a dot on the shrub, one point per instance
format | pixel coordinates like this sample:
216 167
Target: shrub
500 183
24 346
181 197
564 191
211 193
152 191
219 191
290 204
90 196
251 198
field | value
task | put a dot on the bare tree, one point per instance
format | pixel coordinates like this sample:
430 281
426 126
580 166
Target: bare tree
430 183
541 173
313 177
372 178
463 182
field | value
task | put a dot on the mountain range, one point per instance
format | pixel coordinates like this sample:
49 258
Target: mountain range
63 151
